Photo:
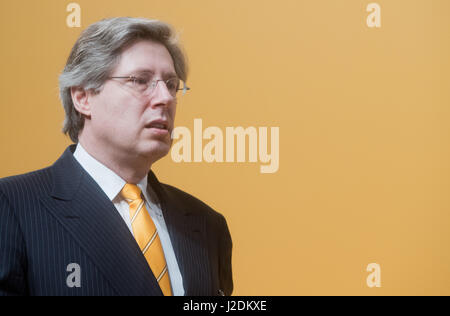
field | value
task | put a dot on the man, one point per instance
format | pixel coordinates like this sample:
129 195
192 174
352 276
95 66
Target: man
98 222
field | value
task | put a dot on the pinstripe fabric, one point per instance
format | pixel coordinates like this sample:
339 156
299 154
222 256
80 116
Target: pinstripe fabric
57 216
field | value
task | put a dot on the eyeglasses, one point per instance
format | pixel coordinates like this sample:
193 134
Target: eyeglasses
146 85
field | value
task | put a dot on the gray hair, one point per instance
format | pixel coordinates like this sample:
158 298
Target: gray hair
97 52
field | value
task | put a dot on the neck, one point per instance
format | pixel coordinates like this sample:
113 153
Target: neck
131 169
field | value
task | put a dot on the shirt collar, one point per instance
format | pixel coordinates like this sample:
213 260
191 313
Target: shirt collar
107 179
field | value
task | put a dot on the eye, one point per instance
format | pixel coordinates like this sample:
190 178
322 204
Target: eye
172 84
140 81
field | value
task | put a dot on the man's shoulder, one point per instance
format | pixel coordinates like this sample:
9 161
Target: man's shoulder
26 183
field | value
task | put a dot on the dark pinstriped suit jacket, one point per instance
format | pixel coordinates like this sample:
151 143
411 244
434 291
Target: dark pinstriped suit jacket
56 216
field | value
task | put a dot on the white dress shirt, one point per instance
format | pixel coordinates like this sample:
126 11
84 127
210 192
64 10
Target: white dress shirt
112 184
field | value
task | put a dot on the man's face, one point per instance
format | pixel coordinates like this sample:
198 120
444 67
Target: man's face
124 120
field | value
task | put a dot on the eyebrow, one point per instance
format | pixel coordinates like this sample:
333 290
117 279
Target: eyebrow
146 70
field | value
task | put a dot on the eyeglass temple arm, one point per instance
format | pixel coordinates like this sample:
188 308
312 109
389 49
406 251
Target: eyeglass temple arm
185 88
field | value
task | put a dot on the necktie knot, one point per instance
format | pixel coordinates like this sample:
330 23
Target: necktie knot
131 192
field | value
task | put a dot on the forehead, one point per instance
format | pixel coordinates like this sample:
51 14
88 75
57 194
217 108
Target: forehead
145 56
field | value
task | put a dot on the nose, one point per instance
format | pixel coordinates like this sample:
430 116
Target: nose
161 95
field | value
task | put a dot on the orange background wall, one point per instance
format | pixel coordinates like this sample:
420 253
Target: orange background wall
364 124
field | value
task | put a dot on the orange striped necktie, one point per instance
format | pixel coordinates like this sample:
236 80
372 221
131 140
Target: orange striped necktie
147 237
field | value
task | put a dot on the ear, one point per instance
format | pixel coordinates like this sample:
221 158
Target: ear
81 100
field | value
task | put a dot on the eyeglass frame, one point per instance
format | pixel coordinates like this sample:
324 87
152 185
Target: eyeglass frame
155 82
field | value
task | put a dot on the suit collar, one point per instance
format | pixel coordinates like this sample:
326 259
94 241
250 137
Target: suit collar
67 176
108 180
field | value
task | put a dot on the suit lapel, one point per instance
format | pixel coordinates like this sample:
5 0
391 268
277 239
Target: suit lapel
80 205
187 231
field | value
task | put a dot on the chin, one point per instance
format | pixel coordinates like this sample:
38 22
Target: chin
156 150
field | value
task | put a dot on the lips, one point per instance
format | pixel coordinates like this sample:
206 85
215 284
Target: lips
158 124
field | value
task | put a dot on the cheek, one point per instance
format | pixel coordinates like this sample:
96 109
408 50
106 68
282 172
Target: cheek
114 110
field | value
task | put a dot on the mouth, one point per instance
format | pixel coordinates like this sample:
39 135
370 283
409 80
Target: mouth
158 124
160 127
